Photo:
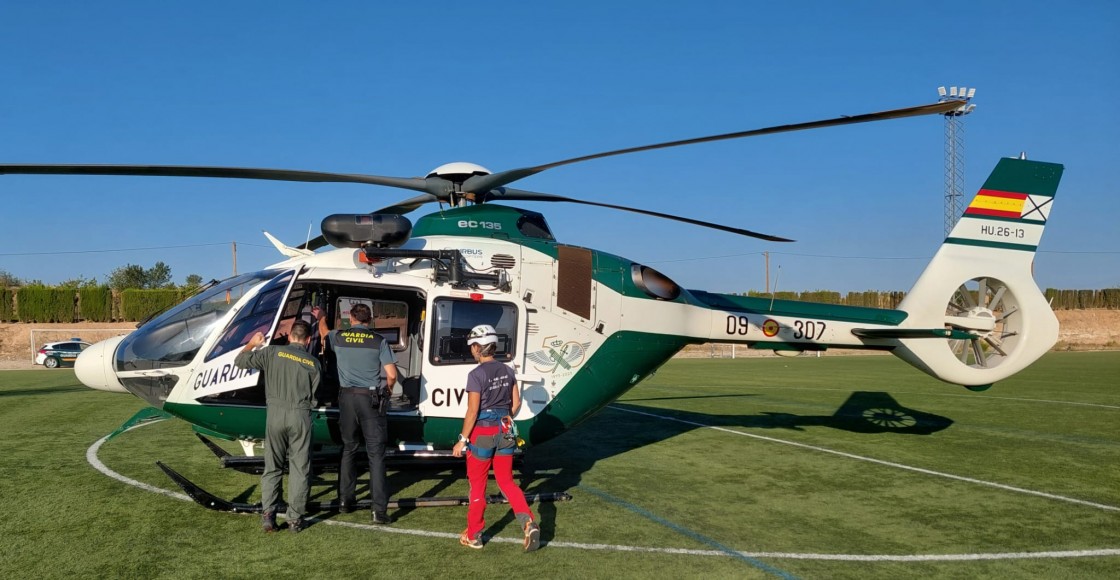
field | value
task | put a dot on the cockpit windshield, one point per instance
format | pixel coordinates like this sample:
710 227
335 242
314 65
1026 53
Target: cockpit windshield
173 339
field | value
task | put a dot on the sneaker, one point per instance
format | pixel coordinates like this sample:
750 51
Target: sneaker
381 518
297 525
268 522
473 543
532 536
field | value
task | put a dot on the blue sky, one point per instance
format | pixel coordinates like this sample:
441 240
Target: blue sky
390 89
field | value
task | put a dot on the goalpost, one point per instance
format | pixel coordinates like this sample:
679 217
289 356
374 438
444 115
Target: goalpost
40 336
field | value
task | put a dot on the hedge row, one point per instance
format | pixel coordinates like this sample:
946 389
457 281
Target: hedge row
1083 299
95 304
41 304
7 304
140 304
870 299
46 304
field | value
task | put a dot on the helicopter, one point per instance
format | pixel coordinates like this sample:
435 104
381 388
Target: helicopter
579 326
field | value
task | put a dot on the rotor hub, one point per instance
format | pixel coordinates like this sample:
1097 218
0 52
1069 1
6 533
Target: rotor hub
985 319
458 171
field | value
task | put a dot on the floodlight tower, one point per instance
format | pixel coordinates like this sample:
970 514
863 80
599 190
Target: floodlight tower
954 151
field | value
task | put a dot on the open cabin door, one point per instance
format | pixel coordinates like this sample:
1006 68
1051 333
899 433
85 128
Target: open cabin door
218 379
396 317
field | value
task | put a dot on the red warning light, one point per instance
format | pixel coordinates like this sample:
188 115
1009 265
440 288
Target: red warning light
363 258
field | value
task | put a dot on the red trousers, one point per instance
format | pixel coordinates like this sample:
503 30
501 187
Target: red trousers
477 470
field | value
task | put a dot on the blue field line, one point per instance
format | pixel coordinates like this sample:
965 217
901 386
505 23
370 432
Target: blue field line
687 532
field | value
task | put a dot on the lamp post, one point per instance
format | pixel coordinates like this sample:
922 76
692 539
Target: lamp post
954 151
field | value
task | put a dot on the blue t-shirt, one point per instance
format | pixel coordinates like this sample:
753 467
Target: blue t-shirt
361 354
494 381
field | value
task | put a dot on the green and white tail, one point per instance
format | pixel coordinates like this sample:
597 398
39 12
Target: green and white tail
980 286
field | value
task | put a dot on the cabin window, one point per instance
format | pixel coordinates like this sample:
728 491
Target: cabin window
454 318
390 318
532 225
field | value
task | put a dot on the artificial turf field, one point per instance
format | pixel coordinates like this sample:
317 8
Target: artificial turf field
832 467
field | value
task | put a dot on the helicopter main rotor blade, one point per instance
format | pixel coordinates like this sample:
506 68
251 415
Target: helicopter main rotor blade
481 183
523 195
434 186
410 205
400 208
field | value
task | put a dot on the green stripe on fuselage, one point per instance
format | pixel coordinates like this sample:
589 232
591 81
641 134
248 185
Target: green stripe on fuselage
1003 219
984 244
624 360
796 309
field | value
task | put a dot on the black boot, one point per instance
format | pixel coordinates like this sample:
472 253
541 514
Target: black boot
268 521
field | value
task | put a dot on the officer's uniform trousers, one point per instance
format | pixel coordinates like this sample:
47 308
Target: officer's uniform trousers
287 434
358 409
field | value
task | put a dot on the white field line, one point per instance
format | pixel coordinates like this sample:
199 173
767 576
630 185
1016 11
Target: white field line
881 462
938 557
91 457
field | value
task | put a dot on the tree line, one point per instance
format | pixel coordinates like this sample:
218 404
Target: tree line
129 276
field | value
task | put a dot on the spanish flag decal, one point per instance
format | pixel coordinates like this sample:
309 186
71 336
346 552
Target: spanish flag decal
997 203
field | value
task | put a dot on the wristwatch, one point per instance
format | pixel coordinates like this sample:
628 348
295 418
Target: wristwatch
461 438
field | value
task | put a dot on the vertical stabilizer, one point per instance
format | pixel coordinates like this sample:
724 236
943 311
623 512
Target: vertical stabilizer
980 282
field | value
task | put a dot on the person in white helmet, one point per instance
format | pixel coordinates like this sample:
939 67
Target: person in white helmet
493 398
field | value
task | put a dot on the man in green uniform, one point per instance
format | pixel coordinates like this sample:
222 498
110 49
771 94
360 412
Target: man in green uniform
291 376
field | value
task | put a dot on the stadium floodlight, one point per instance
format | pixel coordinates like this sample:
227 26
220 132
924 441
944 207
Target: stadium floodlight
954 149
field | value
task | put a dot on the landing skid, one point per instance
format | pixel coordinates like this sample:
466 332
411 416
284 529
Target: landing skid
213 502
328 462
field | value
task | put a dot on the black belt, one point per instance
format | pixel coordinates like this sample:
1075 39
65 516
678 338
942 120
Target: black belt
361 390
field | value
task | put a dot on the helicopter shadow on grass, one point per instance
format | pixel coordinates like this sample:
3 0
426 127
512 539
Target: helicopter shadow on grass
863 412
559 465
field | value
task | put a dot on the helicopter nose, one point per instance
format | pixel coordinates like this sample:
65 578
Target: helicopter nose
94 366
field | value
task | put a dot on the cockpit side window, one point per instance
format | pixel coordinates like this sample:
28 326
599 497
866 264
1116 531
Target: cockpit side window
455 318
257 316
174 338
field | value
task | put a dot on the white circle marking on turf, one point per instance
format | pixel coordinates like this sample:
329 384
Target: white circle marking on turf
880 461
91 457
